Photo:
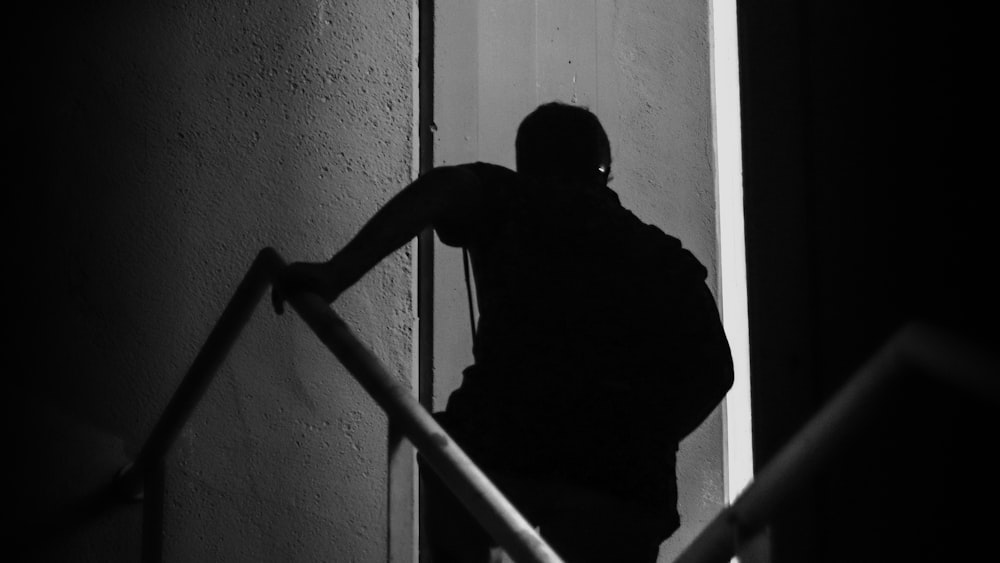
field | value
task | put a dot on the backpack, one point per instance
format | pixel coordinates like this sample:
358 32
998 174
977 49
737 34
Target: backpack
618 300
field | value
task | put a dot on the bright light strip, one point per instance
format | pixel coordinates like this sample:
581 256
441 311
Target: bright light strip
738 459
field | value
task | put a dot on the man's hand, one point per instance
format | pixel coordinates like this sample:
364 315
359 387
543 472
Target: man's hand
313 277
447 194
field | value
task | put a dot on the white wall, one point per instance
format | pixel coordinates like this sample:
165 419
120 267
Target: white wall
170 142
644 68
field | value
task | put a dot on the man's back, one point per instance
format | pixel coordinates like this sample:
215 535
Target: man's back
582 341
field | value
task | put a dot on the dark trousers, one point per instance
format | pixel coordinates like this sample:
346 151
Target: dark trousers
581 525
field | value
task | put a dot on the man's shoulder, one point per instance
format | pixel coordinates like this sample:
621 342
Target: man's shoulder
489 168
493 183
493 176
480 205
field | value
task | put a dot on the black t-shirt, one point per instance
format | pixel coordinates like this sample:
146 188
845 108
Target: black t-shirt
591 325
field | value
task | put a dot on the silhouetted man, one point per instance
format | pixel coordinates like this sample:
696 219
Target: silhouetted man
598 346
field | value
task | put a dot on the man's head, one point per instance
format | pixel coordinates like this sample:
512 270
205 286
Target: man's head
562 142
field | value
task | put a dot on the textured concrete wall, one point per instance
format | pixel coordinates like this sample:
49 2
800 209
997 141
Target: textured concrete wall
168 143
644 68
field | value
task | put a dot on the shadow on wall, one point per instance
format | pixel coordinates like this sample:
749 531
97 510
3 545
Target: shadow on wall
157 148
160 146
103 245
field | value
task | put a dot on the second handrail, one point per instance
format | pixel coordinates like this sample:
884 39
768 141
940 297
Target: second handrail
936 354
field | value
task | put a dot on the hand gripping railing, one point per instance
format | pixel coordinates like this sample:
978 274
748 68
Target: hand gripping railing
932 352
483 500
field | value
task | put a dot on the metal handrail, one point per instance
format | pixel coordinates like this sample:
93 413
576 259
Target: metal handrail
935 353
469 484
227 329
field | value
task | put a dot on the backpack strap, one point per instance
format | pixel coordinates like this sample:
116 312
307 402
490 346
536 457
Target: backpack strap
468 290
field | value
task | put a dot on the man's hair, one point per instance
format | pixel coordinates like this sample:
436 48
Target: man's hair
559 140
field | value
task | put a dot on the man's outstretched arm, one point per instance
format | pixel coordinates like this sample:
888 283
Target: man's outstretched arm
443 194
